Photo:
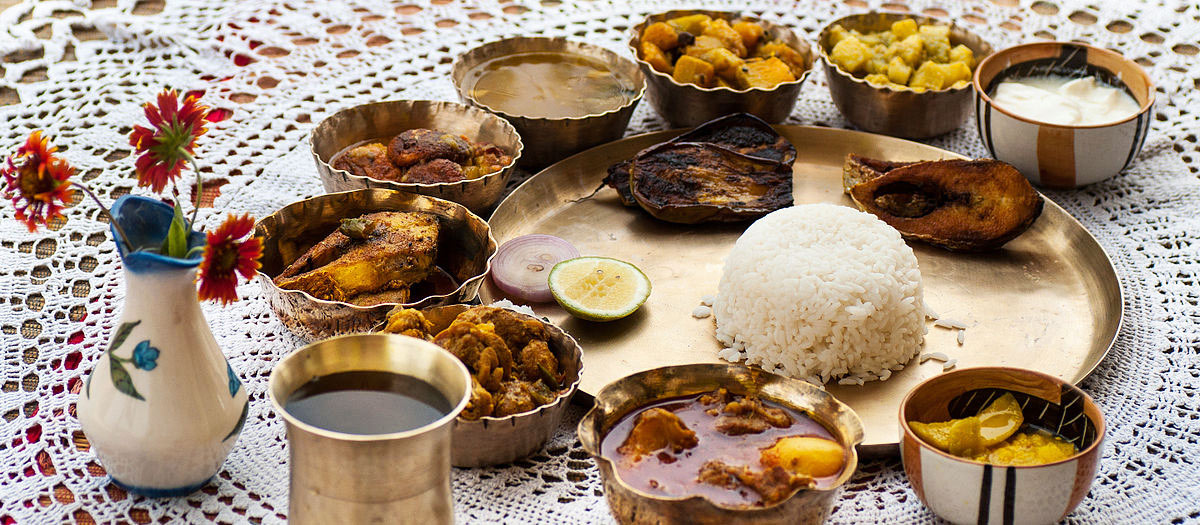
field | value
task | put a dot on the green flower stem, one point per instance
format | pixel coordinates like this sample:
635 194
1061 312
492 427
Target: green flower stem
199 186
111 219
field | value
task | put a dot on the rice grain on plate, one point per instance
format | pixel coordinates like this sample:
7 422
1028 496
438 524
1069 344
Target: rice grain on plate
821 290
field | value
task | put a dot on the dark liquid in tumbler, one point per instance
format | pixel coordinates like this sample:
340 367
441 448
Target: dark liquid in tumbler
367 402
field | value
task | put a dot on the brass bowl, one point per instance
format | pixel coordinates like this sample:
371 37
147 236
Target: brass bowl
384 120
549 140
623 396
465 250
890 111
495 440
688 105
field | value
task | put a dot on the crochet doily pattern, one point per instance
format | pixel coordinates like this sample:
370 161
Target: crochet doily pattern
81 69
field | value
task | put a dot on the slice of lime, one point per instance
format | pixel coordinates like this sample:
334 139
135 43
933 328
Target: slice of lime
598 288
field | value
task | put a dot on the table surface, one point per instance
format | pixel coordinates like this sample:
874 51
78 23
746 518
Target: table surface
80 70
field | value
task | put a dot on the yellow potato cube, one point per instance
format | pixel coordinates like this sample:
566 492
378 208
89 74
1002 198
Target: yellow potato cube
723 60
721 30
956 72
661 35
911 50
693 24
935 31
850 54
767 73
960 83
805 455
877 65
657 59
789 56
899 71
837 33
702 45
692 70
877 79
904 28
930 76
961 53
751 33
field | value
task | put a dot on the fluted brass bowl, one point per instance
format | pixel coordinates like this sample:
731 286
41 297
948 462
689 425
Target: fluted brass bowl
548 140
465 250
688 105
495 440
384 120
625 395
901 113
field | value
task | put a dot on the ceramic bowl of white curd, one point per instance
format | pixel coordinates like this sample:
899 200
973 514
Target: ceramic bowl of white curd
1065 114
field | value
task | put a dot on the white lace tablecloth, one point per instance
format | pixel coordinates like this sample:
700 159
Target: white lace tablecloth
80 70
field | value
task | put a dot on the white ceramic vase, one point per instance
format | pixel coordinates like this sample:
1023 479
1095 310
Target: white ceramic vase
162 408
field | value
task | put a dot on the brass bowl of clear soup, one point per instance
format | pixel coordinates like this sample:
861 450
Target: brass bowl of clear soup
562 96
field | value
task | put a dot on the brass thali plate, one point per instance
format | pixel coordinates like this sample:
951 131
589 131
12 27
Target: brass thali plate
1049 300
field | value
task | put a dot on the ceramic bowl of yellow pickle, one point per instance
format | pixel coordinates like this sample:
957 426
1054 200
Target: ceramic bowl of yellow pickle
1000 445
870 97
692 93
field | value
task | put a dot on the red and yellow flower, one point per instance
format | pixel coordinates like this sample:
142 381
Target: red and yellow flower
171 140
228 253
37 181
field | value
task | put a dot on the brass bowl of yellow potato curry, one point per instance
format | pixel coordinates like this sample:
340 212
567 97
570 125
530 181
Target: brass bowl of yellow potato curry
901 74
701 65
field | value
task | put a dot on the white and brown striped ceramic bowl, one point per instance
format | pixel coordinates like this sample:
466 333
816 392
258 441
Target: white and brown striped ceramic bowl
964 491
1058 156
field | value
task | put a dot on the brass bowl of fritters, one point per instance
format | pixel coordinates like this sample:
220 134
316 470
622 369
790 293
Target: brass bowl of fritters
549 140
384 120
687 105
465 247
495 440
900 113
630 505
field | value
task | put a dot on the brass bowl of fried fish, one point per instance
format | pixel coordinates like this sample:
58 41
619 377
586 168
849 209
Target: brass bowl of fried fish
442 149
523 373
338 263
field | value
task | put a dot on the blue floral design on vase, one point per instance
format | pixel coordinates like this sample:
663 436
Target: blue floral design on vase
145 357
235 384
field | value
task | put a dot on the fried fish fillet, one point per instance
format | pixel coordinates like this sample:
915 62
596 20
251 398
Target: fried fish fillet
375 253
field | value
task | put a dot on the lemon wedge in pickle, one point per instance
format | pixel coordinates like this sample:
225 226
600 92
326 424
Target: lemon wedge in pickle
1000 420
971 436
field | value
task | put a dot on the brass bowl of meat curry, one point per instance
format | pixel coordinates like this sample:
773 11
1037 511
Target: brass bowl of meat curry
720 443
435 148
524 372
338 263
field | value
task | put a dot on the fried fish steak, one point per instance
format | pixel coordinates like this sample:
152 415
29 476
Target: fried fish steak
375 253
369 160
858 169
698 182
959 205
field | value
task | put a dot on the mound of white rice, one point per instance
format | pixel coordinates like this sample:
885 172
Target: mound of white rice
820 291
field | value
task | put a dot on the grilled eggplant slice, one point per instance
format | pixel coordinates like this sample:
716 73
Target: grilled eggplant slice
959 205
859 169
697 182
740 132
746 134
618 179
